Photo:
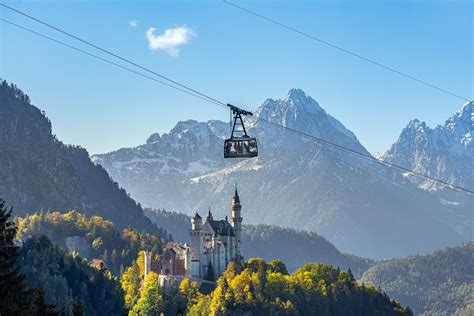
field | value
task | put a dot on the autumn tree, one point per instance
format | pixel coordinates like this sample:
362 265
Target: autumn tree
151 299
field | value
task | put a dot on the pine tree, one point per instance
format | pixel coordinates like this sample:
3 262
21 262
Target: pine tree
15 297
43 309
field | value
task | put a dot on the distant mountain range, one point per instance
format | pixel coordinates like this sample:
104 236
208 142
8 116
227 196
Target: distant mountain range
37 171
358 205
445 152
439 283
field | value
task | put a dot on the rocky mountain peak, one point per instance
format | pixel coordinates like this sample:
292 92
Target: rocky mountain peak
300 111
296 105
297 96
155 137
460 125
444 152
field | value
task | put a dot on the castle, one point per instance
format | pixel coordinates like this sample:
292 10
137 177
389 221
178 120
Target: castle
215 243
212 246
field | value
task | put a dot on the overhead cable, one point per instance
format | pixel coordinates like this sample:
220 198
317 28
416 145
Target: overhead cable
197 94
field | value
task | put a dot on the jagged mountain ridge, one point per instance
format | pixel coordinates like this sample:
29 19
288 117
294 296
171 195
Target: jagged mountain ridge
38 171
445 152
358 205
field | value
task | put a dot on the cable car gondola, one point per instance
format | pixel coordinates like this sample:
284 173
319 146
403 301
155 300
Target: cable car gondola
241 146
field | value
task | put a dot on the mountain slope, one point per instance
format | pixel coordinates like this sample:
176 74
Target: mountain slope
38 171
445 152
439 283
358 205
90 237
153 171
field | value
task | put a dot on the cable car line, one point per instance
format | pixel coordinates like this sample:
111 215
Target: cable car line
226 106
104 60
109 52
370 157
344 50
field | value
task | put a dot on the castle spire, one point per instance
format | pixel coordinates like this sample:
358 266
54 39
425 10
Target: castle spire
236 198
209 215
237 223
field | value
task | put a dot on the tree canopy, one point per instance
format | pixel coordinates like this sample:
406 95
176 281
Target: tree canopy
260 288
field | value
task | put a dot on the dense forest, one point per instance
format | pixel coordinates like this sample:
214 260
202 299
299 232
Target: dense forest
91 237
38 278
294 247
39 171
70 282
439 283
260 288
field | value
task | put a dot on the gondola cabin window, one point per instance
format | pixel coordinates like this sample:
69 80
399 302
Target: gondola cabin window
240 147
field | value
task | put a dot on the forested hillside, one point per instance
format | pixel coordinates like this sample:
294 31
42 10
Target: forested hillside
260 288
294 247
69 282
440 283
39 171
39 278
91 237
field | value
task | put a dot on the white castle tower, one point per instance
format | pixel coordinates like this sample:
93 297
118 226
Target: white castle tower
147 263
237 223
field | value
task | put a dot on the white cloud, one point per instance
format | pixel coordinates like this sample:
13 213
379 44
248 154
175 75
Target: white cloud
133 23
170 40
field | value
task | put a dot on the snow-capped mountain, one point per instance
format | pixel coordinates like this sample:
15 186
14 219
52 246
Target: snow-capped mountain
445 152
295 182
155 171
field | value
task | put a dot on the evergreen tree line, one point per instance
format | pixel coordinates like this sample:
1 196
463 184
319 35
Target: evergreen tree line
38 278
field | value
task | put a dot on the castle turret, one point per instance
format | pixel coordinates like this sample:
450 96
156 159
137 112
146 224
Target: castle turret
237 223
196 222
209 215
196 234
147 263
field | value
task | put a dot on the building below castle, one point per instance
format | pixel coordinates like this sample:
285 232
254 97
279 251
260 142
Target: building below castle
212 246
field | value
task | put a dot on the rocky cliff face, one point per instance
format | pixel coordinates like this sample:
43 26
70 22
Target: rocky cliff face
444 152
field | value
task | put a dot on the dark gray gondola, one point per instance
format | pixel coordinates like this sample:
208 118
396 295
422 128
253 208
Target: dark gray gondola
243 146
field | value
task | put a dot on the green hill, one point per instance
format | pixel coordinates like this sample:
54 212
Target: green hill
91 237
439 283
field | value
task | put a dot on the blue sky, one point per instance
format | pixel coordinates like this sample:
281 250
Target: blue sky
242 60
